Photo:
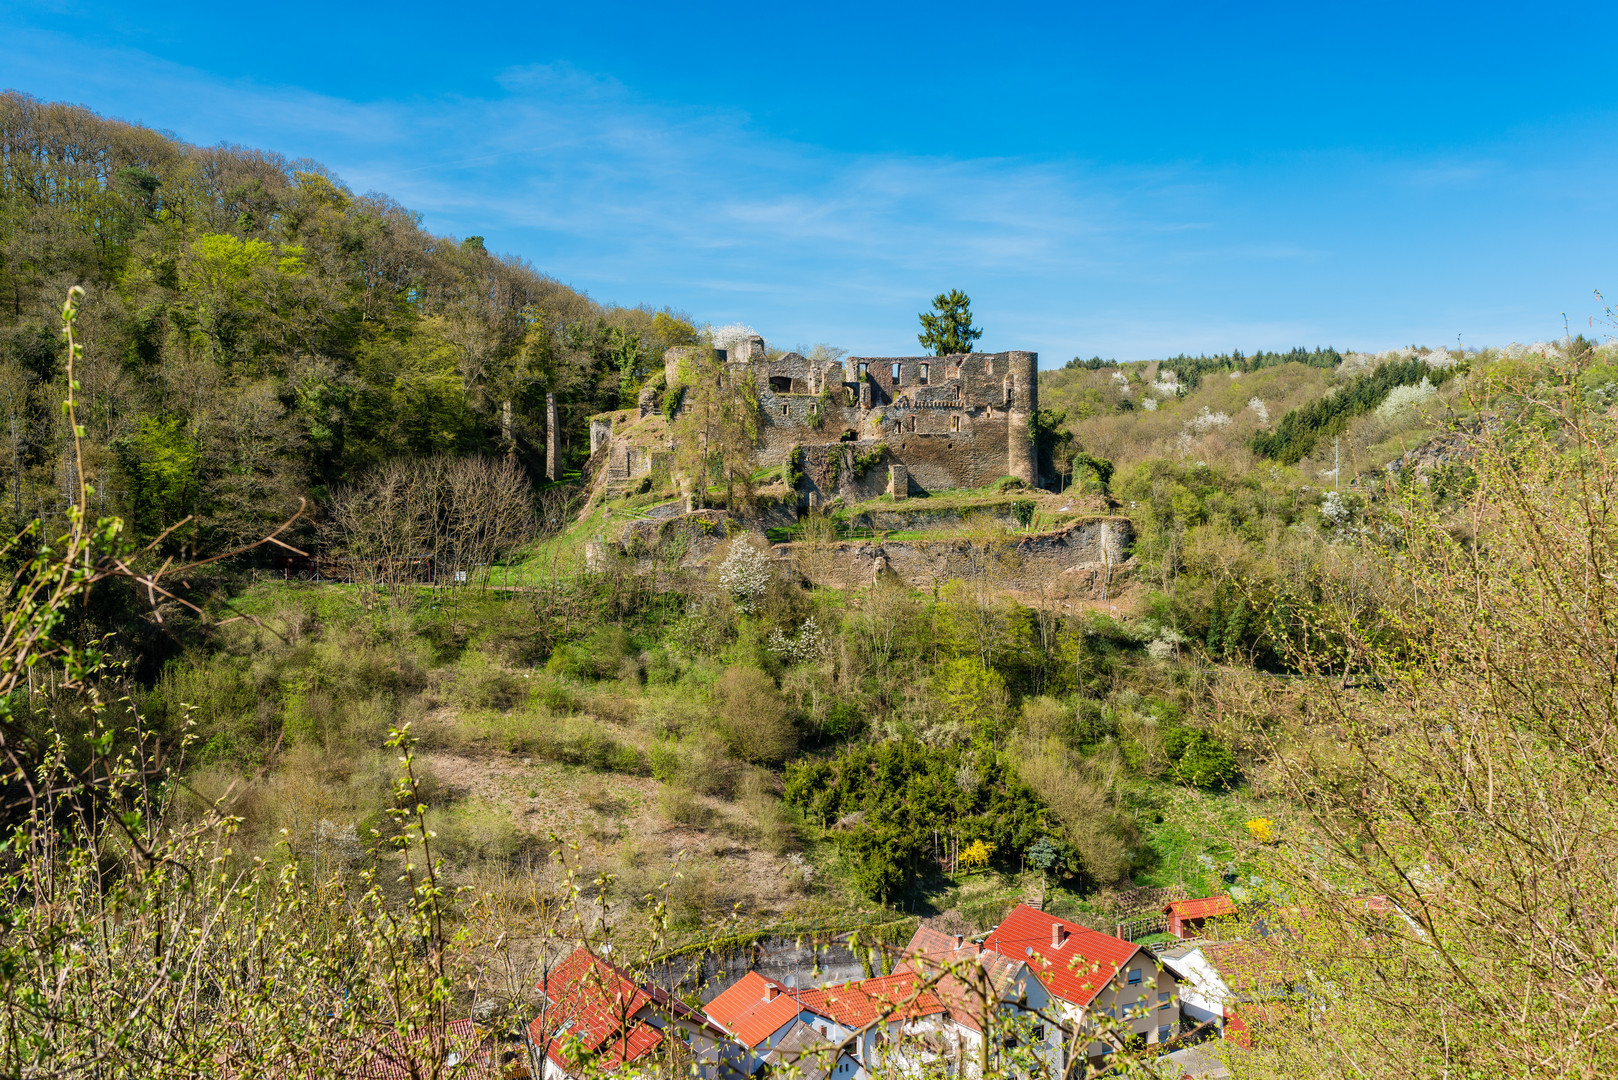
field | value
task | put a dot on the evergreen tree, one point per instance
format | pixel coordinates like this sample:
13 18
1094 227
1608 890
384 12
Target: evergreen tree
948 328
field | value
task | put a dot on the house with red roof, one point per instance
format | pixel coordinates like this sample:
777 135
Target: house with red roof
1187 918
980 988
1098 981
894 1022
458 1049
804 1054
1218 979
758 1012
595 1014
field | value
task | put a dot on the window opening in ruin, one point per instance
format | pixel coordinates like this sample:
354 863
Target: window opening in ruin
955 423
783 410
848 436
988 367
910 423
895 374
924 374
781 384
863 369
991 412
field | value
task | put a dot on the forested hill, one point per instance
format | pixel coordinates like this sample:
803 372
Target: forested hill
256 331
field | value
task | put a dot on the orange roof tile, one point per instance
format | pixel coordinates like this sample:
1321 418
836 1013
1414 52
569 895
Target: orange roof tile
1206 907
940 958
595 1004
744 1011
396 1057
1077 971
899 996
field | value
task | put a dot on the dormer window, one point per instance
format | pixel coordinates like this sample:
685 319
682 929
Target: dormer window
924 369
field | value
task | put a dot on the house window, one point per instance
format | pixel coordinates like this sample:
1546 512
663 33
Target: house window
1163 1034
1134 977
924 368
1162 1001
1039 1032
955 423
895 374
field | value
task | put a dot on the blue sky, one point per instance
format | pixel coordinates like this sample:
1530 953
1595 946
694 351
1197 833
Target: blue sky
1125 180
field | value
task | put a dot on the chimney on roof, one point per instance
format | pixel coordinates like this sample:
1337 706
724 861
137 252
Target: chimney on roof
960 939
770 992
1058 935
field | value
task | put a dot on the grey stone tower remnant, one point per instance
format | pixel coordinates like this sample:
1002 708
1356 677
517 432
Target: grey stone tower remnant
1021 389
553 440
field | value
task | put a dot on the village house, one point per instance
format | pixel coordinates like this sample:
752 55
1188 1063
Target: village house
1225 983
977 985
758 1013
1189 918
457 1049
896 1024
1099 982
594 1012
804 1054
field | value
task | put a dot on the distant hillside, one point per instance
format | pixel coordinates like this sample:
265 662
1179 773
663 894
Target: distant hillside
256 331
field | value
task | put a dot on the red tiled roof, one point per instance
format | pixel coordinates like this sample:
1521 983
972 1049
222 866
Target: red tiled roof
1087 961
1246 967
399 1057
742 1010
899 996
595 1004
937 956
1205 908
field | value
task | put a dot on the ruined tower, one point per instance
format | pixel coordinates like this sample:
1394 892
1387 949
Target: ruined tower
1021 390
553 440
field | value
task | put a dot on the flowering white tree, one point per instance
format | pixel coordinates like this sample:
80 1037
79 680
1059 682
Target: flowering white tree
807 647
745 574
731 334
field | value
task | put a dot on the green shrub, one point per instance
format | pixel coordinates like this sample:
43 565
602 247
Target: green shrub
568 740
754 719
599 656
679 805
844 721
478 831
1199 759
700 762
661 668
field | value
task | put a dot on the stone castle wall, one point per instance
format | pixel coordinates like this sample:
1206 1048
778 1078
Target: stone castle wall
1075 560
951 421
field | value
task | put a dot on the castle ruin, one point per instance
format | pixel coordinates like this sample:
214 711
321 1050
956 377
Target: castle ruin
861 426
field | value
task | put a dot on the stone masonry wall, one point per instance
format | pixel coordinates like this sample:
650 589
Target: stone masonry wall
1074 560
964 427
